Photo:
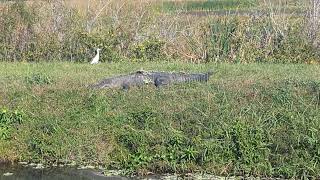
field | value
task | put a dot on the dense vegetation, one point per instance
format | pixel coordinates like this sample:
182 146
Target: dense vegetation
253 120
146 31
258 119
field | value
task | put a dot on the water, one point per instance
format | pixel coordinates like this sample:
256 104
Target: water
20 172
61 173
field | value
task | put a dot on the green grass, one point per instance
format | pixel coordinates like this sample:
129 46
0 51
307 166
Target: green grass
210 5
231 5
253 120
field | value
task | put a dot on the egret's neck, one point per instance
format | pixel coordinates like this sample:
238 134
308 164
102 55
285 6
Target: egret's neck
98 53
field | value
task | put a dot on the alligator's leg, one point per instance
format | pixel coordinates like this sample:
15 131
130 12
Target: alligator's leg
125 86
161 81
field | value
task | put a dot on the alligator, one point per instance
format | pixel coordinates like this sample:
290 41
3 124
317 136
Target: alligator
158 79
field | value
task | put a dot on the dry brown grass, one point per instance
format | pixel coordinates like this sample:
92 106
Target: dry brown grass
185 36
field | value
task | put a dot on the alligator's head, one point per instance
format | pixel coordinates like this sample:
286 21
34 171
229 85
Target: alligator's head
141 71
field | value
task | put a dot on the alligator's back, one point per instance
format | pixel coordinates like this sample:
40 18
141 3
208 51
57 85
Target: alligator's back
122 81
164 78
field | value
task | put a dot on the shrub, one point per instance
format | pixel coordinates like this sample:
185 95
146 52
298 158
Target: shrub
8 122
138 31
150 50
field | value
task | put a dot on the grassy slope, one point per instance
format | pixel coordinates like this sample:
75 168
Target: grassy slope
256 119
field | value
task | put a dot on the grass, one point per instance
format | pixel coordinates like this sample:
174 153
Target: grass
209 5
227 5
249 119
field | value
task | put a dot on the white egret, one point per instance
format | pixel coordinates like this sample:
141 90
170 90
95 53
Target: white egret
95 60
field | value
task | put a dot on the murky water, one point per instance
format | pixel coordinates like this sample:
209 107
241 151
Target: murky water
62 173
30 172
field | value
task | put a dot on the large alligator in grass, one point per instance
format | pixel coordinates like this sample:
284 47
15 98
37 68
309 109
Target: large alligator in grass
158 79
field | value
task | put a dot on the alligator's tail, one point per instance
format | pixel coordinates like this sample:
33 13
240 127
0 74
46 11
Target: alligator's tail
201 76
93 86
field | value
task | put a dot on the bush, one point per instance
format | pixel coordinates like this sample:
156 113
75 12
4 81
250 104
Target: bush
9 121
150 50
256 40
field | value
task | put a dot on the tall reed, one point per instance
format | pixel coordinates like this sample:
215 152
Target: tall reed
143 31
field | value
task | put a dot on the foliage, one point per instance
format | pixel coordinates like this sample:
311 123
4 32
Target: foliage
17 31
145 31
9 120
257 40
149 50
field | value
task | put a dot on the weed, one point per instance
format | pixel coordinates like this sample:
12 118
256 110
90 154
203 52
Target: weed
38 79
9 120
